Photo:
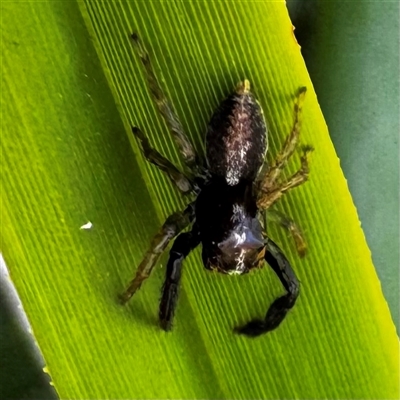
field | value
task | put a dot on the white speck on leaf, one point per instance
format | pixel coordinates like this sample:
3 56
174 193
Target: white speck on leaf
86 226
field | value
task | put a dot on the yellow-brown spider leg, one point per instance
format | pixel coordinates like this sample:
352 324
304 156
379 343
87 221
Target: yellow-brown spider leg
182 182
166 109
267 198
174 224
269 178
286 222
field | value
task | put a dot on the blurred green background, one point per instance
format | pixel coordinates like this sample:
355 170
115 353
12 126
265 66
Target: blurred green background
352 53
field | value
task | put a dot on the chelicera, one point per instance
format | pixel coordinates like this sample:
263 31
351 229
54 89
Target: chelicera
233 189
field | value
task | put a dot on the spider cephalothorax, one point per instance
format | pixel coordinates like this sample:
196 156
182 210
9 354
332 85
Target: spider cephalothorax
231 196
230 232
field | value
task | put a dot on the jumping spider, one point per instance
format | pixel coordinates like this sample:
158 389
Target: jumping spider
232 192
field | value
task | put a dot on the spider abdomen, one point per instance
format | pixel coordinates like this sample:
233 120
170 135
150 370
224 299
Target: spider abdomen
236 138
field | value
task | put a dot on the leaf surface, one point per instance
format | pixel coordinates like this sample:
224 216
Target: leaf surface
72 87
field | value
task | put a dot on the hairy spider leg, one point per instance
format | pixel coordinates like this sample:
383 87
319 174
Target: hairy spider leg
181 181
166 109
282 305
267 198
271 175
182 246
174 224
286 222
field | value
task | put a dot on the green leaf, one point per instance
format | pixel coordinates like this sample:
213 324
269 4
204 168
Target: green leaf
69 158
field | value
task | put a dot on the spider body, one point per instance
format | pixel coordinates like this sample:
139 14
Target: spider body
231 196
226 208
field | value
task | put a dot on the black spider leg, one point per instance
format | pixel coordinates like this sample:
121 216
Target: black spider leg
182 246
174 224
181 181
166 109
281 306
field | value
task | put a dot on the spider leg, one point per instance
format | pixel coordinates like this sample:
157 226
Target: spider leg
153 156
267 197
281 306
284 221
182 246
172 226
165 108
271 175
